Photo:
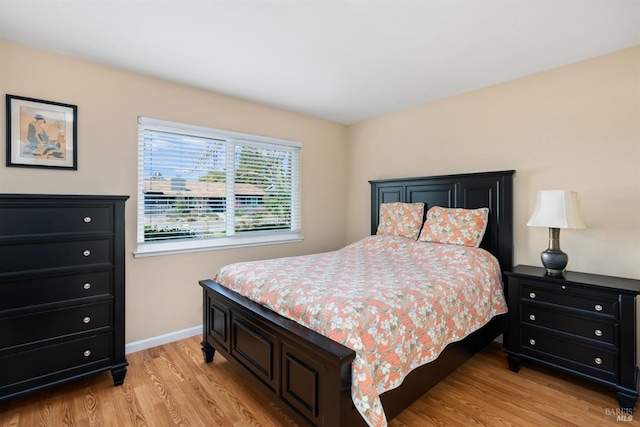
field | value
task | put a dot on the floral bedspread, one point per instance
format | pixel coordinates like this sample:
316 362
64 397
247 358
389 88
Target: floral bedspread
397 302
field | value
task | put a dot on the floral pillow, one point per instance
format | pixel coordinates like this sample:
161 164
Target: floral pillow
401 219
455 226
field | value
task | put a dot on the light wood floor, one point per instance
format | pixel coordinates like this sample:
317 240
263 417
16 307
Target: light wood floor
171 385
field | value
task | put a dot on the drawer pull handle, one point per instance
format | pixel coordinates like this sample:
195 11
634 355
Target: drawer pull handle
87 286
598 307
532 341
532 294
87 353
87 219
532 317
564 287
86 319
86 252
598 361
598 332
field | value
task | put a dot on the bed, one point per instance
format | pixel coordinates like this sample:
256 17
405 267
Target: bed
310 375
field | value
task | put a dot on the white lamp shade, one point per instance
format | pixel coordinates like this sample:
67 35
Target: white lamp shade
557 209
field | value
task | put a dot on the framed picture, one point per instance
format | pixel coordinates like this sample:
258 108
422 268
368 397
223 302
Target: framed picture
41 134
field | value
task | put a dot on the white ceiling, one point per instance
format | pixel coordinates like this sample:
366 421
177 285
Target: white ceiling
341 60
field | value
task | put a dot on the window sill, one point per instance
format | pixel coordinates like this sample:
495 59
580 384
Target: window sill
186 246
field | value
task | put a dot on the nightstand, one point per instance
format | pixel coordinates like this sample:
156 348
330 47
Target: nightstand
584 324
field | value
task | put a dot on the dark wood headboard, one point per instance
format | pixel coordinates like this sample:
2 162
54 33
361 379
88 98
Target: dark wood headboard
473 190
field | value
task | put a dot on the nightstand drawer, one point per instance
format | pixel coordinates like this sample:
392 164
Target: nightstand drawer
32 291
35 256
29 220
599 303
571 354
43 325
583 326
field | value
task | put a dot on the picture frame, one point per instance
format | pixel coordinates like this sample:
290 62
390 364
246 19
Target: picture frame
41 134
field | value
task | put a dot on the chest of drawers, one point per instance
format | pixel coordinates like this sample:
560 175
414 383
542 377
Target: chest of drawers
580 323
61 290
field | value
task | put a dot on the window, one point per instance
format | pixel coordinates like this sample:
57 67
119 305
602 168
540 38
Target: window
202 188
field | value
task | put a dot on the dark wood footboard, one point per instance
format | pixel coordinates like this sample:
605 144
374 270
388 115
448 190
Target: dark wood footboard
305 373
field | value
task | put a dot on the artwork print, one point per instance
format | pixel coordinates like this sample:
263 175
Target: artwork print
41 133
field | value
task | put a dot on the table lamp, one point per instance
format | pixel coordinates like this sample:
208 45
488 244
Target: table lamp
556 209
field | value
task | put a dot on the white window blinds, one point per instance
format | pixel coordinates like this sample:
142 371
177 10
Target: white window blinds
202 188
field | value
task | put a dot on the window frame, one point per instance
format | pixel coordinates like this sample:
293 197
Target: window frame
186 245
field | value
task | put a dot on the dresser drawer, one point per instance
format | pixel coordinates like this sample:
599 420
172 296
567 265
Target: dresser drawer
602 303
34 219
601 330
39 326
18 293
572 354
77 355
35 256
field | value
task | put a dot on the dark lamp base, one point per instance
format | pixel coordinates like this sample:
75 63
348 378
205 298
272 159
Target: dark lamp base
553 259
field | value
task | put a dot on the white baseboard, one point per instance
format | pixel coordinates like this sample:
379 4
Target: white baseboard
162 339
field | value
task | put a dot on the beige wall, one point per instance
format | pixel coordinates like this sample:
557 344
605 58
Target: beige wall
575 127
163 295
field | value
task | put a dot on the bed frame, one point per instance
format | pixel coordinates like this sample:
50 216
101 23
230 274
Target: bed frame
307 374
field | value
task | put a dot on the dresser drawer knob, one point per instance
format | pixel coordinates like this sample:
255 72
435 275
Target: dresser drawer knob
87 219
598 307
598 332
532 317
87 353
86 252
86 319
532 341
532 294
87 286
598 361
